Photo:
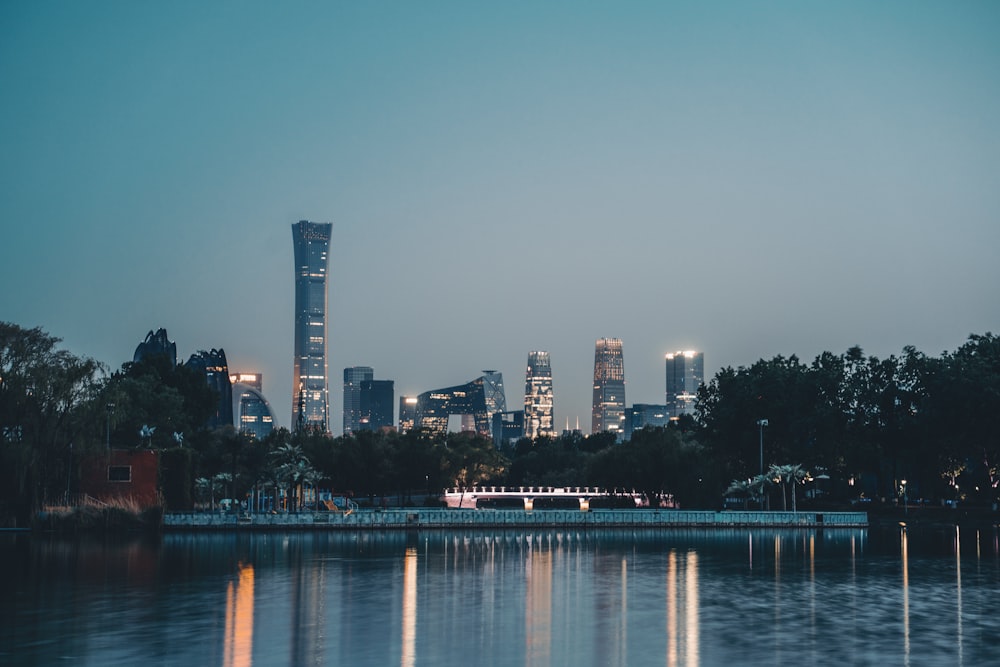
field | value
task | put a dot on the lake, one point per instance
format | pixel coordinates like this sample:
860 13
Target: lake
517 597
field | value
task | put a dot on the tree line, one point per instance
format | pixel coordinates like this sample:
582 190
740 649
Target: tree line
860 423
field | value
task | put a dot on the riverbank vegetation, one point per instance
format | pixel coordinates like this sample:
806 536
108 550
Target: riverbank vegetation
857 424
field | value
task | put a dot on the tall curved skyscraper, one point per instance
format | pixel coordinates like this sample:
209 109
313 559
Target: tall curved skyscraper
608 412
310 390
538 396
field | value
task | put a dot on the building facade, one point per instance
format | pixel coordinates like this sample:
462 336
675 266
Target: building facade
353 377
608 411
216 370
538 396
252 413
377 405
641 415
310 389
478 399
156 344
407 413
508 427
685 373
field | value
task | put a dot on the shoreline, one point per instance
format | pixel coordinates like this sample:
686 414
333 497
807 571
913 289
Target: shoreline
429 519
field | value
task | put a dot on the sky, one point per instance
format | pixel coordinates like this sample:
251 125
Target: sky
748 179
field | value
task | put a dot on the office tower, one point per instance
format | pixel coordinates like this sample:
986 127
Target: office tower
353 377
156 344
685 373
641 415
609 387
480 399
376 404
508 427
538 396
407 413
216 371
252 414
310 392
255 380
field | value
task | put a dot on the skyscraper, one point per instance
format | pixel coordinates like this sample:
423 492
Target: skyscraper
156 343
407 413
216 370
376 404
479 400
538 396
608 413
310 392
353 377
685 373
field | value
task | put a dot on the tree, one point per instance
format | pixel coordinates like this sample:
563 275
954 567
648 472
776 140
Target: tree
48 405
787 475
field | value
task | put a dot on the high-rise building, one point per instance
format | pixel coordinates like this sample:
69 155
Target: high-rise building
376 404
641 415
353 377
608 413
538 396
252 413
685 373
310 391
216 370
508 427
156 344
407 413
480 399
255 380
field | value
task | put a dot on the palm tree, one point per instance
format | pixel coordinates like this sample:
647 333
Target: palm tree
758 487
741 488
788 475
293 469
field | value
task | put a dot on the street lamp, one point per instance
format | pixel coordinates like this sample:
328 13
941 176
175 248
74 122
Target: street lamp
110 407
902 483
761 423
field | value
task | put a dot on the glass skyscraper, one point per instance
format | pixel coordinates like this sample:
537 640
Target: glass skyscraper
538 396
376 404
353 377
608 412
310 391
685 373
479 399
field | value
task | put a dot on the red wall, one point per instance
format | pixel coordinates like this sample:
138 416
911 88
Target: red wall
144 486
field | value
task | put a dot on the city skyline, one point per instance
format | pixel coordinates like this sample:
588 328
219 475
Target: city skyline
746 179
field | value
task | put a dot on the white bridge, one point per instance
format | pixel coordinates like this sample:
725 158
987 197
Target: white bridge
469 497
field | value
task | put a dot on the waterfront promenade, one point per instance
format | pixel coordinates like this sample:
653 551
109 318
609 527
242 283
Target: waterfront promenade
433 518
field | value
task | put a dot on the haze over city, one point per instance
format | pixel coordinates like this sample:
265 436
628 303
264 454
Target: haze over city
745 179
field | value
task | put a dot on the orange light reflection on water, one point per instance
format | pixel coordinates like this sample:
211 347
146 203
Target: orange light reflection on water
238 648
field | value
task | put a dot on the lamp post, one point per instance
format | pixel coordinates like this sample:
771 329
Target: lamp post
762 423
902 483
110 407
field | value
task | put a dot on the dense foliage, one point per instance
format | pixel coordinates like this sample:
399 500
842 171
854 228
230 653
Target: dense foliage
860 424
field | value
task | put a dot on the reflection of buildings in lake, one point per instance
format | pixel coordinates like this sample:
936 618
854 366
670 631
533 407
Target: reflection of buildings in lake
906 596
682 609
308 592
409 608
958 591
538 606
238 648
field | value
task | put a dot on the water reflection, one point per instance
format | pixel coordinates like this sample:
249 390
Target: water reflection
680 598
904 555
409 608
238 641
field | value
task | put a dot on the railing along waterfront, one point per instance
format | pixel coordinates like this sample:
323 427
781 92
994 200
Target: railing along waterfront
432 518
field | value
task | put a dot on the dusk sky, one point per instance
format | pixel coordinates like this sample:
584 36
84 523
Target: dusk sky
743 178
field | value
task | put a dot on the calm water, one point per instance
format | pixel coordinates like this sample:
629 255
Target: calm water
471 599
